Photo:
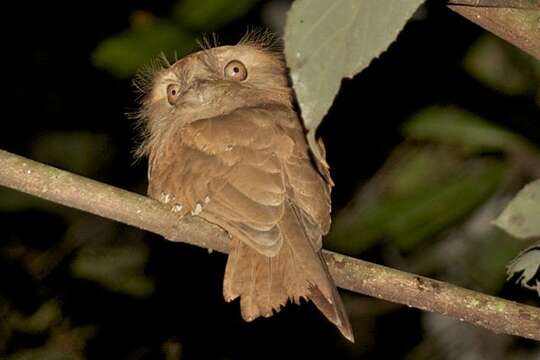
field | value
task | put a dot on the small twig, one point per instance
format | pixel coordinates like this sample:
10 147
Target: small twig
515 4
517 26
60 186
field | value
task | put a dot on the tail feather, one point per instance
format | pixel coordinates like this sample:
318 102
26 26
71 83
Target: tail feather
334 311
265 284
237 271
304 256
248 301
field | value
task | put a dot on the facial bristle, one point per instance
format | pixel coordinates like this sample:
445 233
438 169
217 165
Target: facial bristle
207 42
261 38
144 78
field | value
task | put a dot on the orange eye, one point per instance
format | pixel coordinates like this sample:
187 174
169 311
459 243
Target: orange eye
235 70
173 90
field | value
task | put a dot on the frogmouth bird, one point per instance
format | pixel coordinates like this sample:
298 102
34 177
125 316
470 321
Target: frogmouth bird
224 143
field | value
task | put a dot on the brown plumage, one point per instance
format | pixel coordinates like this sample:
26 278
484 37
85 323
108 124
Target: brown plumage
224 143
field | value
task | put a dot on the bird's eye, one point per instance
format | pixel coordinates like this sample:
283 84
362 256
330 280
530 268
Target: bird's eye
173 90
235 70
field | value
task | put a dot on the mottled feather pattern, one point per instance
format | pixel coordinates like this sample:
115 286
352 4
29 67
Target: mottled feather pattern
233 151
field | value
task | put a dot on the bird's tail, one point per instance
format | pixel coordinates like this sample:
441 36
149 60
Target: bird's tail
264 284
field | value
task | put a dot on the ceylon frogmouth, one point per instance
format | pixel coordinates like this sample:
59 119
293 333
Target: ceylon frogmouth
225 143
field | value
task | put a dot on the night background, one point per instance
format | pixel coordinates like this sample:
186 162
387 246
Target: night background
410 193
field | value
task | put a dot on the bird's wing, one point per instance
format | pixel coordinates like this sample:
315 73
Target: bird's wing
309 190
237 170
229 168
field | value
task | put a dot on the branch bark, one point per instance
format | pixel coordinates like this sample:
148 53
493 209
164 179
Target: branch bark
495 314
519 27
516 4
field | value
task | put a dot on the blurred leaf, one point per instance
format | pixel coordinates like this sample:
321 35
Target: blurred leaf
44 353
487 257
410 167
83 229
473 253
79 152
6 330
327 41
440 205
172 349
418 213
46 316
119 267
501 66
65 343
521 218
126 53
211 14
11 200
455 126
526 266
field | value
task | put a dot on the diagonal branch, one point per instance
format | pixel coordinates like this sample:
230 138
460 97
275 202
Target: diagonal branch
520 27
60 186
515 4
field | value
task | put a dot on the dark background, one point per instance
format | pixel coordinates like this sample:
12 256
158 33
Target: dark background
74 286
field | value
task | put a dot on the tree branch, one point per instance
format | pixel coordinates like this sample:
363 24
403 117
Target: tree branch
60 186
519 27
516 4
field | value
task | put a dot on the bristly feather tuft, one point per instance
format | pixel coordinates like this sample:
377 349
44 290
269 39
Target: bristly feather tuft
144 78
143 83
207 42
263 39
142 132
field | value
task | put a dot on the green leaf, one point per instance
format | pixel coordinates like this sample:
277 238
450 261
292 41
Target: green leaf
500 66
63 343
80 152
119 267
405 213
124 54
211 14
44 353
326 41
487 253
455 126
521 218
13 201
48 315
